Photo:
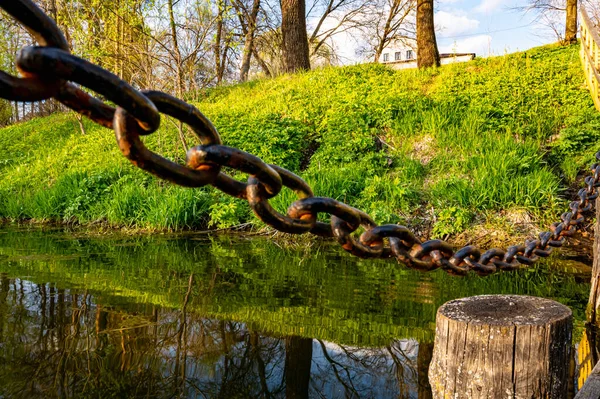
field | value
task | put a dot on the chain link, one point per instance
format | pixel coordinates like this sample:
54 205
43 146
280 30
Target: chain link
49 71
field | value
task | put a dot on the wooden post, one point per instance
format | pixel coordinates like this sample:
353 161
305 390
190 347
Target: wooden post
591 388
594 301
501 346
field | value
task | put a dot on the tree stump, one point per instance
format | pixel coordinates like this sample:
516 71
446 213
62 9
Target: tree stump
501 346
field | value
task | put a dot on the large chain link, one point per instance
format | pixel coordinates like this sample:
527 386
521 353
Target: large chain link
49 71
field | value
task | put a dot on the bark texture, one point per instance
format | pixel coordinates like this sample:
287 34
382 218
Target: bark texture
498 346
427 50
295 39
571 24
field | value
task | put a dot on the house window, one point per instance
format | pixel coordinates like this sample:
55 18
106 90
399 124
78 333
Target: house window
386 57
397 56
409 54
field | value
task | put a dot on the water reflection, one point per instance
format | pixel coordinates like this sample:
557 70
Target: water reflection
66 343
227 318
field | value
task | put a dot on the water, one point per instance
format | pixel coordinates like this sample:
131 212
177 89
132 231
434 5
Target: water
226 317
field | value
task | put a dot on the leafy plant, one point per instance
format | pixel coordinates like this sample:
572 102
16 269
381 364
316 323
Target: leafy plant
478 137
451 220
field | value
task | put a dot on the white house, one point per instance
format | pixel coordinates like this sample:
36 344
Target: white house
402 54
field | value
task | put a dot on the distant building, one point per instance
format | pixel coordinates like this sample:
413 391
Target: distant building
402 54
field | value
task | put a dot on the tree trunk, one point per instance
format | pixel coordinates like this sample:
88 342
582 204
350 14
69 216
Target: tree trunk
383 40
218 40
298 359
117 39
423 361
295 39
176 50
594 300
262 63
427 50
571 24
379 51
498 346
178 61
249 40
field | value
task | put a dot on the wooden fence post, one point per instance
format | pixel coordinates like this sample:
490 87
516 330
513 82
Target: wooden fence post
498 346
590 47
594 301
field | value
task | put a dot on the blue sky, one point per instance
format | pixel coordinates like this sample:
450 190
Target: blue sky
487 27
484 27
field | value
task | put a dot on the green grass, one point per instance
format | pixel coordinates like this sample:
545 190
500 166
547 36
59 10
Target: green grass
455 146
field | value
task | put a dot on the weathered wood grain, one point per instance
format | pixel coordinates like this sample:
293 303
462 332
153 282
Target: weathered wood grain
591 388
594 301
501 346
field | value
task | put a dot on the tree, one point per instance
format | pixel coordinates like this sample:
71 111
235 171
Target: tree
549 12
593 10
177 52
396 26
334 17
383 23
427 50
223 38
268 51
248 23
179 66
571 23
296 55
298 358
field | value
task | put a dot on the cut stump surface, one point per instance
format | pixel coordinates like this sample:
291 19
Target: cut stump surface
501 346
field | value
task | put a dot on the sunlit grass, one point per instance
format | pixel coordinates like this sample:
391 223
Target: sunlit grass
456 143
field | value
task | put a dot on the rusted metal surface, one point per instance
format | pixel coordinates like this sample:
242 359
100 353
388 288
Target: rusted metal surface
127 133
50 69
52 63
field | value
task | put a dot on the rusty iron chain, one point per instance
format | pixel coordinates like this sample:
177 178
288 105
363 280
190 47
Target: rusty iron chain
49 71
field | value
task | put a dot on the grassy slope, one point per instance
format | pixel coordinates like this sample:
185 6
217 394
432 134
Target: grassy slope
495 140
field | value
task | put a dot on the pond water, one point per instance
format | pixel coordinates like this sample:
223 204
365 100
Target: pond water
227 317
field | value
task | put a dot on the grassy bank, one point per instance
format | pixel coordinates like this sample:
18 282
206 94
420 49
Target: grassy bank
487 145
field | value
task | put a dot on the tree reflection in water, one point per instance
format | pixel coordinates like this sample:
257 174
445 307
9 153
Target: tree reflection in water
69 343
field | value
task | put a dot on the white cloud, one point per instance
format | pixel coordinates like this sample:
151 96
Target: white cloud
449 24
479 45
487 6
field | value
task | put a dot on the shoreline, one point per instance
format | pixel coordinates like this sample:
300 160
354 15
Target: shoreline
578 248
